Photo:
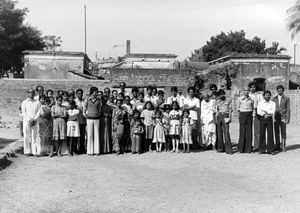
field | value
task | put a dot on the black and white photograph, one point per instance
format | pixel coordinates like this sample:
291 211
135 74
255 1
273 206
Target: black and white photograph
149 106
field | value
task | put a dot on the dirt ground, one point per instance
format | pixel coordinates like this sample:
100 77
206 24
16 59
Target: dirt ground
156 182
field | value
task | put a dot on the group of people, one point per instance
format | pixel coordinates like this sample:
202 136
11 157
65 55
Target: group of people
63 122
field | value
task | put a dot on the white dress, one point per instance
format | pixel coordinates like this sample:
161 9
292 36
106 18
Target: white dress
174 122
187 131
73 126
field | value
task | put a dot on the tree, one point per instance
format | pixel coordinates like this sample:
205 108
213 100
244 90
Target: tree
293 20
15 37
233 42
52 42
275 49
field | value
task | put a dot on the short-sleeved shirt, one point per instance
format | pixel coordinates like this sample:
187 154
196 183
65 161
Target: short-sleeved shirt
223 106
192 102
148 117
245 104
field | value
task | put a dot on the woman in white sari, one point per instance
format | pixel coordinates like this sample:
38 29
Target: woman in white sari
208 121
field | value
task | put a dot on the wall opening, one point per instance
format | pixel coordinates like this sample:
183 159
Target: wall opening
260 84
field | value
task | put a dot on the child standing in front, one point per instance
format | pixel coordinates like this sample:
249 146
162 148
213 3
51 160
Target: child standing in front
137 130
186 130
159 134
147 116
73 132
59 114
166 125
175 126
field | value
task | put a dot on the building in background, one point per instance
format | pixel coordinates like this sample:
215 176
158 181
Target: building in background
56 65
237 70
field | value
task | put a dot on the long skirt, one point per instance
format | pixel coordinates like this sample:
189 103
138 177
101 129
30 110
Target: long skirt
127 138
105 135
136 145
149 132
44 137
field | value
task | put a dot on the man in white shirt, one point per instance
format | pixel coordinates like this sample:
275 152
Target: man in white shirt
256 97
31 110
266 111
193 104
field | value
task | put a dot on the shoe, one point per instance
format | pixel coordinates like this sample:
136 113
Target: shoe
51 155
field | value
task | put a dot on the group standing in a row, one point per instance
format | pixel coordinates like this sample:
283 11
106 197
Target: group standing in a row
116 121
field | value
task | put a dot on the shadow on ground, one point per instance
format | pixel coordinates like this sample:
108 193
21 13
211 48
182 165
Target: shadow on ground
4 142
293 147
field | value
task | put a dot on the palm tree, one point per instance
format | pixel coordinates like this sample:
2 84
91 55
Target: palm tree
294 19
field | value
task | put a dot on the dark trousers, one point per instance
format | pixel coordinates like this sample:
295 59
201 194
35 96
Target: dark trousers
81 139
279 127
266 124
245 141
256 127
223 132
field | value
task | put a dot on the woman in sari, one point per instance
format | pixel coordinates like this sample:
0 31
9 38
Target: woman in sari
45 127
105 130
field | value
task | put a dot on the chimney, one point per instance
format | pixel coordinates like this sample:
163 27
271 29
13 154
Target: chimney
128 47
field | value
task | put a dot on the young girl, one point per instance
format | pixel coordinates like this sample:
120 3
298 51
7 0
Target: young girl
137 130
139 104
65 100
166 125
159 134
118 117
59 114
186 130
175 126
73 132
147 117
115 96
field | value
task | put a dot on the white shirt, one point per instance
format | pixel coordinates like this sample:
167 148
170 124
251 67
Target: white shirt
265 107
177 98
279 99
152 98
31 109
207 111
257 97
192 102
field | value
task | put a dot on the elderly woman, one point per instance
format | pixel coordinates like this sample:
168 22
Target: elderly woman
208 120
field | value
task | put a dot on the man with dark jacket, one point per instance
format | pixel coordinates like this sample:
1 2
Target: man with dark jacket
282 118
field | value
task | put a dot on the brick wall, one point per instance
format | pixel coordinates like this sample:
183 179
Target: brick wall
145 77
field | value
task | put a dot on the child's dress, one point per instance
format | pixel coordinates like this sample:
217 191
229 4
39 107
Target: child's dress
59 124
148 115
73 126
136 135
118 136
187 124
159 133
174 122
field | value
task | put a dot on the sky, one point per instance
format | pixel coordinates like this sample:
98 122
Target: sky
158 26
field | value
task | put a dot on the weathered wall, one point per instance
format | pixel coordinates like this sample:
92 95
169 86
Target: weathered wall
145 77
275 73
238 75
51 67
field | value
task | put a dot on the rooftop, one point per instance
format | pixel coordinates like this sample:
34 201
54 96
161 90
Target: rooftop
249 56
61 53
150 55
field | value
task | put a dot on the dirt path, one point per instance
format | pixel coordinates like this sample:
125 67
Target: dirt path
155 182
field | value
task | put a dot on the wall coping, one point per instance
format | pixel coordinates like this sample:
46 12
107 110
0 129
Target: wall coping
54 80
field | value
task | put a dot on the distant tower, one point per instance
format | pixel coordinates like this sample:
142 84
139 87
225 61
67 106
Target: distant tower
128 47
